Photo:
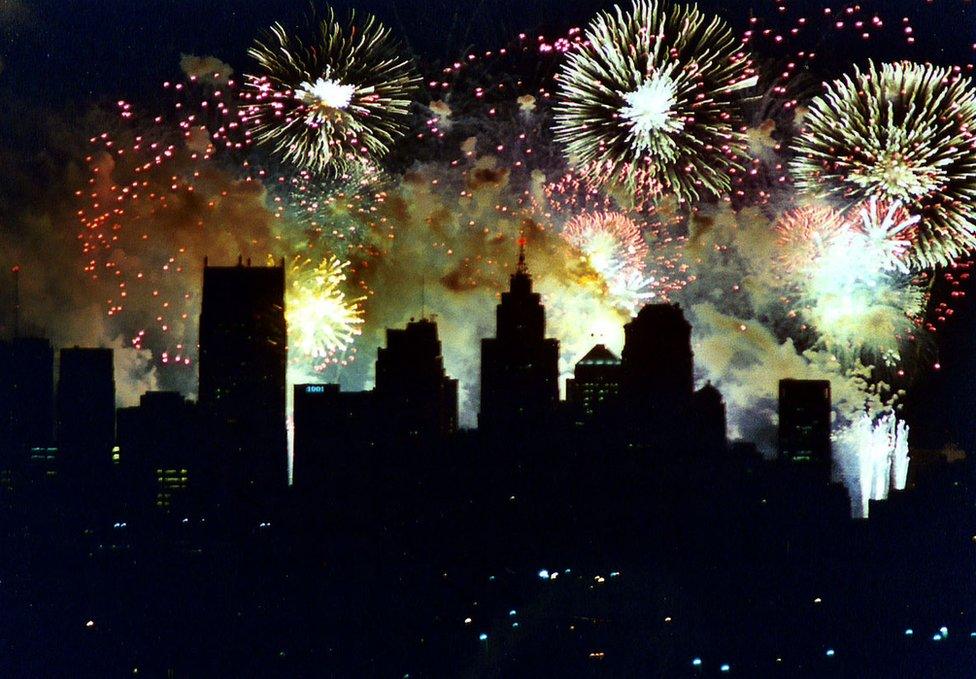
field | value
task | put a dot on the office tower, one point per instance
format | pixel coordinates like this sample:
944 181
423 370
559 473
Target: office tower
86 410
657 360
159 451
419 400
26 399
804 423
595 382
243 357
331 428
709 418
519 366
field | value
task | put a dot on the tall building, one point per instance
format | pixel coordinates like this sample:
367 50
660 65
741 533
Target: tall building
331 427
711 426
86 410
519 366
26 399
657 360
419 398
159 451
804 423
595 383
243 357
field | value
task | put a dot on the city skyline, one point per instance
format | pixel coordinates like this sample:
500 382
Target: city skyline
510 338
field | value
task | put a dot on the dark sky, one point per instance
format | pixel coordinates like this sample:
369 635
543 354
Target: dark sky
57 49
60 57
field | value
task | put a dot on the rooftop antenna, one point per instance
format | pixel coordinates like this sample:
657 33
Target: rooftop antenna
521 268
16 273
423 297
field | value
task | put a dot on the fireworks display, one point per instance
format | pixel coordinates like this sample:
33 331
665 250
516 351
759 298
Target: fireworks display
873 453
855 288
339 100
649 100
322 322
797 244
898 132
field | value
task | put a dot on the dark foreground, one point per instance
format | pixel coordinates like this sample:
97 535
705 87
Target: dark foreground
705 568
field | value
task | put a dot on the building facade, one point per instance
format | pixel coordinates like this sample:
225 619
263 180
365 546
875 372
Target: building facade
520 365
243 363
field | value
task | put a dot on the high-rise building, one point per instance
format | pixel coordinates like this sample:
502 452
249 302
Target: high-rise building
331 428
519 366
804 423
26 399
595 383
419 398
709 416
657 360
86 410
159 451
243 357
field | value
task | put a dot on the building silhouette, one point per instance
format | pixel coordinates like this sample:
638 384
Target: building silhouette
26 399
158 449
86 411
243 360
657 360
331 427
595 384
520 365
710 420
804 423
419 399
414 401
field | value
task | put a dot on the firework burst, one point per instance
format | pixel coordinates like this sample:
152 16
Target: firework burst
322 322
853 286
647 101
611 242
339 100
898 132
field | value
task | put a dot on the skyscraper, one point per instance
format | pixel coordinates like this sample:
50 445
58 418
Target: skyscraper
243 357
657 360
519 366
804 423
26 398
710 420
419 399
595 382
332 427
86 410
657 380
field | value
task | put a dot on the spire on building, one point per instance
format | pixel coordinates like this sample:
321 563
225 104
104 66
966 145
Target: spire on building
519 366
521 269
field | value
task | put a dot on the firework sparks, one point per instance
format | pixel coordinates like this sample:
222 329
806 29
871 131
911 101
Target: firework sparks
853 285
647 100
332 104
611 242
322 322
873 458
898 132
